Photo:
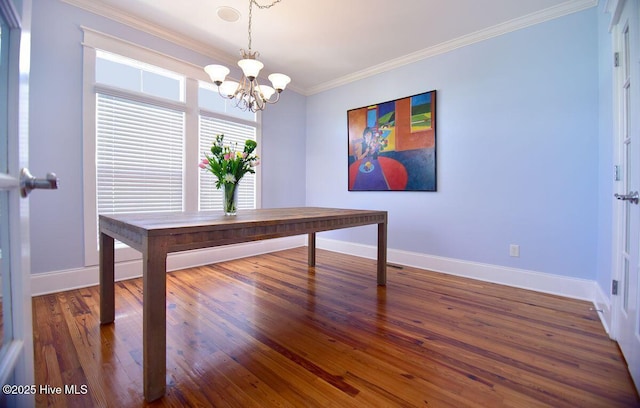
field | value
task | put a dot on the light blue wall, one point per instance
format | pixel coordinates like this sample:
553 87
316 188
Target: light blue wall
57 237
284 177
517 151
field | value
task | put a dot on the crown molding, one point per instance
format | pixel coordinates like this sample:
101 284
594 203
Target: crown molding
551 13
148 27
478 36
159 31
614 8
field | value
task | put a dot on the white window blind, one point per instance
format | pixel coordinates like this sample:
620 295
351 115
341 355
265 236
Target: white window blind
139 156
210 196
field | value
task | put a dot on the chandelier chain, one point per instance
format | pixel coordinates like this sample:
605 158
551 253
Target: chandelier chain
260 6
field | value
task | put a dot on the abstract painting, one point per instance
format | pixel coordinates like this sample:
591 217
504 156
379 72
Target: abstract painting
392 145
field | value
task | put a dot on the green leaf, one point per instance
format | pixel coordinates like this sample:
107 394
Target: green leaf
216 150
250 146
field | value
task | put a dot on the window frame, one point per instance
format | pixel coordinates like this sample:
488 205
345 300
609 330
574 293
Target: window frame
194 74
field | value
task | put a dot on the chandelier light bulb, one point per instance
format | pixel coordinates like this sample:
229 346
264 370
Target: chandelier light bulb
250 67
279 81
217 73
266 91
228 88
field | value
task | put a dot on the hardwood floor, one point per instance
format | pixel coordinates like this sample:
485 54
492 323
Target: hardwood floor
268 331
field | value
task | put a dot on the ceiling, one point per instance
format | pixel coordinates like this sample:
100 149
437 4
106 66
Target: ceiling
321 44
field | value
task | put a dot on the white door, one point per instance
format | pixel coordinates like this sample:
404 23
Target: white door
626 319
16 347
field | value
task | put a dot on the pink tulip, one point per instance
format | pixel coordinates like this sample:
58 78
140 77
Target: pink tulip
202 165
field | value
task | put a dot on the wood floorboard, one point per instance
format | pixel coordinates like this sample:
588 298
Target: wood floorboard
269 331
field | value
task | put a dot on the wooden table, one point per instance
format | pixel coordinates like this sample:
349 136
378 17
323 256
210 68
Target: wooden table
157 234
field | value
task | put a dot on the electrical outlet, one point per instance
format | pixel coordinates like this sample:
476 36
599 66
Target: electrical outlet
514 250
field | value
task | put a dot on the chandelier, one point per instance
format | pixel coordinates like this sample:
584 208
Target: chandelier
248 93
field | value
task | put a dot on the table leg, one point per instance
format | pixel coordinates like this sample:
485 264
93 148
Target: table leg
107 285
154 320
382 253
312 249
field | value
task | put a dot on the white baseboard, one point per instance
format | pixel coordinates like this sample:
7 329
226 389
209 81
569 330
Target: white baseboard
576 288
602 304
58 281
521 278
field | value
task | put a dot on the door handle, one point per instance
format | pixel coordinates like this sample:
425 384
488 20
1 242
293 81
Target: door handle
632 197
28 182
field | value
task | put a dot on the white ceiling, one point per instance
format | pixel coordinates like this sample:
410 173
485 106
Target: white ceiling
324 43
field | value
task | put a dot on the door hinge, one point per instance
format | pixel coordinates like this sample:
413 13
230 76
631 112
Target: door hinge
616 59
614 287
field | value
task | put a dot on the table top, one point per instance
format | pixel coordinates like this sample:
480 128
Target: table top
161 223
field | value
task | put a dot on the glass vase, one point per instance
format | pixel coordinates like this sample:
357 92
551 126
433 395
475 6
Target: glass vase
230 198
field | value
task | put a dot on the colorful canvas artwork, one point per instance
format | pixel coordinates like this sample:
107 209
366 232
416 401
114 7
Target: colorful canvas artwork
392 145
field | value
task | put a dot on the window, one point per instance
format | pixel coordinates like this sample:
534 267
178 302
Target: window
139 156
148 120
128 74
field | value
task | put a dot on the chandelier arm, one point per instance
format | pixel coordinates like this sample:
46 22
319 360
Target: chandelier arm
259 104
224 96
248 96
270 101
256 97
